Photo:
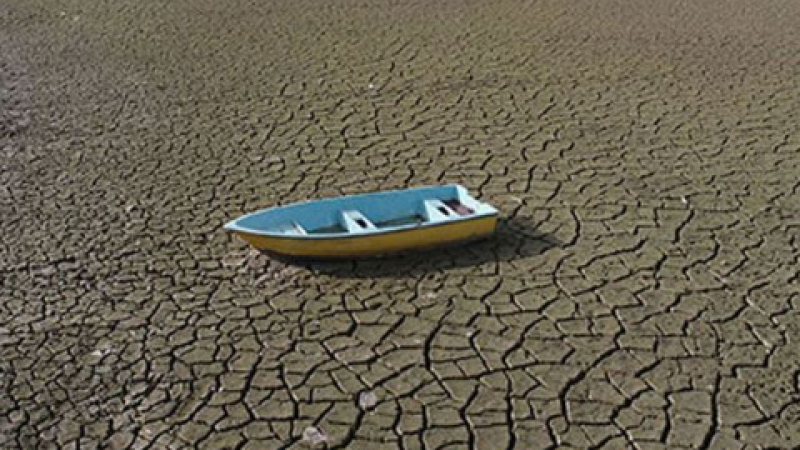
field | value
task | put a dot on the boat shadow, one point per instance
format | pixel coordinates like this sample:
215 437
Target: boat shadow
514 239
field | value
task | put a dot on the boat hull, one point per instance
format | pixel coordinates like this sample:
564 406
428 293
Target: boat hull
377 244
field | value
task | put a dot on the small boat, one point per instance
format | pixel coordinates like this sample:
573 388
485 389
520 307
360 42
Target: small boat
371 224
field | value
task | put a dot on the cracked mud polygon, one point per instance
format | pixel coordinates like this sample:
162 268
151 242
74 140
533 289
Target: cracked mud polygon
642 291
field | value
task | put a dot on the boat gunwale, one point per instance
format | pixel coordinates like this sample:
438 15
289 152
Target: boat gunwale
378 232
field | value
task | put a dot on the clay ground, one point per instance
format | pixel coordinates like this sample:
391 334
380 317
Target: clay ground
642 291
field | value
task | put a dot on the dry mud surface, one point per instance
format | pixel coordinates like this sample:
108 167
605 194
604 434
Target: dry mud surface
642 291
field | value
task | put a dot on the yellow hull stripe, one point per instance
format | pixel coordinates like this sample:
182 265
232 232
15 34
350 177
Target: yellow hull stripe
374 244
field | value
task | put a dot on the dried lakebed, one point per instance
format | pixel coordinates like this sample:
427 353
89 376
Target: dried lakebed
642 291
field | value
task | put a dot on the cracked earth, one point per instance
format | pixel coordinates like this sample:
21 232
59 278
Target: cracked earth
642 291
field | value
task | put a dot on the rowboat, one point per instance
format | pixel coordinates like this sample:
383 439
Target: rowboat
370 224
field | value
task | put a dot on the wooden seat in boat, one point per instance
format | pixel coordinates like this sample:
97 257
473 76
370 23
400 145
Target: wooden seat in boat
355 222
460 208
437 211
292 228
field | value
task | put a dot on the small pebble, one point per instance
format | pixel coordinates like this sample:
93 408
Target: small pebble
367 400
314 435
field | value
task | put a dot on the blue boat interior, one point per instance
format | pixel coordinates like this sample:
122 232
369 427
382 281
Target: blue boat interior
366 213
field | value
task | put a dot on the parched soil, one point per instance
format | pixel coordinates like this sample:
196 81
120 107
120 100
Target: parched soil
642 290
